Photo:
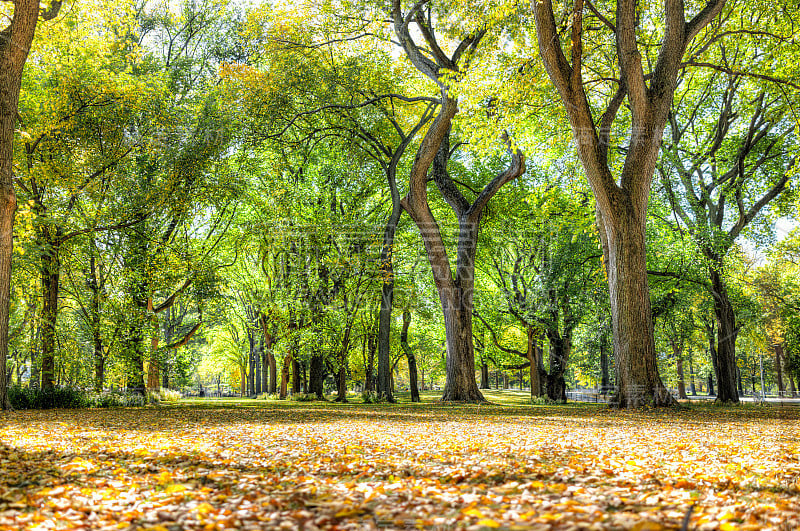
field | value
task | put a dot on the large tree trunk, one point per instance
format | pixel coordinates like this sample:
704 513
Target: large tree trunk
622 235
50 274
15 42
412 360
559 352
725 358
317 375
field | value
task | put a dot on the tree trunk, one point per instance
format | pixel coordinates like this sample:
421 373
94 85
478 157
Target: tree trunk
94 320
727 331
484 375
296 378
258 354
154 363
317 375
266 347
15 42
711 385
559 350
287 363
677 351
532 353
692 387
622 235
605 381
384 387
273 372
372 345
251 363
50 275
778 349
412 360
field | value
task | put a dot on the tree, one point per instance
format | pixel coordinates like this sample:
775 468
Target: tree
729 157
622 200
455 289
15 43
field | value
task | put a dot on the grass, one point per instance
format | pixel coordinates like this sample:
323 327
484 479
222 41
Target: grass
249 464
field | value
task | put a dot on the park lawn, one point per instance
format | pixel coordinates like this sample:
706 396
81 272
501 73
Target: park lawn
270 465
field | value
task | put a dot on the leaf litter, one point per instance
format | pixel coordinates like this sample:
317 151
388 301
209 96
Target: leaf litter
290 466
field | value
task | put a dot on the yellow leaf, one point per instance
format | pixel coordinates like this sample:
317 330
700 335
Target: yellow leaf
486 522
472 511
175 487
647 525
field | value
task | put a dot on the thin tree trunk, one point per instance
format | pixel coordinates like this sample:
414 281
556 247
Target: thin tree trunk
384 387
372 345
412 360
778 349
287 363
692 387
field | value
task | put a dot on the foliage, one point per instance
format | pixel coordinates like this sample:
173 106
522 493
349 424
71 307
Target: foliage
55 397
163 395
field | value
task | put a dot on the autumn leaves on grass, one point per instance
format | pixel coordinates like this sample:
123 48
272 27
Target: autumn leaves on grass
295 466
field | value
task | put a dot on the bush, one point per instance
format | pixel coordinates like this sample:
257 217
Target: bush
56 397
544 401
163 395
112 400
369 397
304 397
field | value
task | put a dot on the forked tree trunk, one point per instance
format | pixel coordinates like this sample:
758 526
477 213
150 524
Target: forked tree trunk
727 330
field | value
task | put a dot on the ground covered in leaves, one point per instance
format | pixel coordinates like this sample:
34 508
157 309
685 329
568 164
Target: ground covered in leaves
299 465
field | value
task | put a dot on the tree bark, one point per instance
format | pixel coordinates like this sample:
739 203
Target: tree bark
15 43
559 351
287 363
50 274
532 353
412 360
725 356
384 388
317 375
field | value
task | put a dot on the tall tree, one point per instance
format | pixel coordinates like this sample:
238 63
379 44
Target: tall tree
455 288
15 43
622 199
729 157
